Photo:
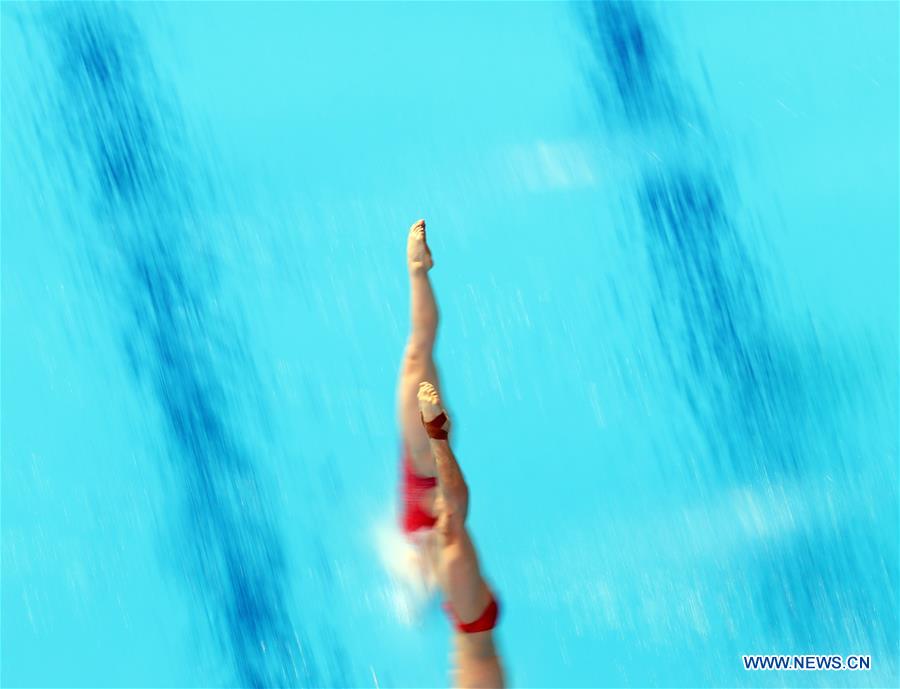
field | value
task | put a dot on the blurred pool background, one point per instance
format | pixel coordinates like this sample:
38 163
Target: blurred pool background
667 264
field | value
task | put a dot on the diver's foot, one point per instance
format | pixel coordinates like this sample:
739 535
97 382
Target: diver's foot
418 256
437 423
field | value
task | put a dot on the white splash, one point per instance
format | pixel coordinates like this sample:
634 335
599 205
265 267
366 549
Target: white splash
412 576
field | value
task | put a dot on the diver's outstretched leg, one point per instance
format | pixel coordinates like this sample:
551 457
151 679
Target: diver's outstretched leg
470 603
418 470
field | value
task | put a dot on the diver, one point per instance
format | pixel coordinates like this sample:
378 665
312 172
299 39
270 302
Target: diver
435 496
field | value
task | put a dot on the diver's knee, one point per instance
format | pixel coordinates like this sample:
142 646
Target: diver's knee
418 354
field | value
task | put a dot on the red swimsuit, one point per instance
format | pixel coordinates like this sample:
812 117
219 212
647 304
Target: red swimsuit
412 516
485 623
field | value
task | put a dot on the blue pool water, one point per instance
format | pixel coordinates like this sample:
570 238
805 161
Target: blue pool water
667 264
